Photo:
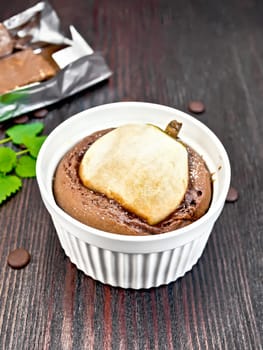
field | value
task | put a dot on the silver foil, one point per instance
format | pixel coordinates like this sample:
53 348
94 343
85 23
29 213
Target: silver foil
41 25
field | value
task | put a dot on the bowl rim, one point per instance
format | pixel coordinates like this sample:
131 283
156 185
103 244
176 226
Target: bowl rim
215 208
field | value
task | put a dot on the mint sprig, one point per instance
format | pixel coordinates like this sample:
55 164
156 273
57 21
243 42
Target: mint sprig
15 165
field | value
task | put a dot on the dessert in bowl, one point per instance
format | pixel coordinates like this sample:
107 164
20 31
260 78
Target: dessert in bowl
138 256
135 179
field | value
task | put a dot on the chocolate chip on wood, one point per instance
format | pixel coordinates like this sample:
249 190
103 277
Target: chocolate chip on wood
18 258
21 120
41 113
232 195
196 107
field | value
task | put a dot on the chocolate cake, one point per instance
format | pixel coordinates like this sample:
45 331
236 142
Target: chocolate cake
97 210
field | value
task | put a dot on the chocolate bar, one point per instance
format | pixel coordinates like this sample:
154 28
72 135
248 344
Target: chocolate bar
22 68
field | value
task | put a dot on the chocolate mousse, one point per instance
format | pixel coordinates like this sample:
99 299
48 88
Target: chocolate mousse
99 211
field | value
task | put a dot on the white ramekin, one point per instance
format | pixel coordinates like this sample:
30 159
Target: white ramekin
129 261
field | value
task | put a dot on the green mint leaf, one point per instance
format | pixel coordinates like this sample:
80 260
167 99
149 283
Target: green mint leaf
18 132
7 159
26 167
33 144
9 184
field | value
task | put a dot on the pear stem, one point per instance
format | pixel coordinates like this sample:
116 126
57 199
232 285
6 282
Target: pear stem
173 128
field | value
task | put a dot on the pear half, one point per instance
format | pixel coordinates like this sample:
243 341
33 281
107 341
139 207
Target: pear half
140 167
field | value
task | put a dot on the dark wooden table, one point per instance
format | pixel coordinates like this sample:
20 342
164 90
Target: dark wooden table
167 52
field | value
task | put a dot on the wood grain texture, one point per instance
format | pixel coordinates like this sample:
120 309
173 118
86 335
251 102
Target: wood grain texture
168 52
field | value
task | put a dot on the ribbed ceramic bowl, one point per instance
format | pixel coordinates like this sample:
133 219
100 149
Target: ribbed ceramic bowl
130 261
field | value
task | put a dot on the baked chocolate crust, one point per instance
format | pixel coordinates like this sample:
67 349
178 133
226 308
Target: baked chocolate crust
96 210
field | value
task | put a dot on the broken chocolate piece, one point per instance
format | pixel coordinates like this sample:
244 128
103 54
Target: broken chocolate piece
23 68
6 42
22 43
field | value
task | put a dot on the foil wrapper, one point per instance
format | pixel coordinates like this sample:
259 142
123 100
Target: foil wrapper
79 66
